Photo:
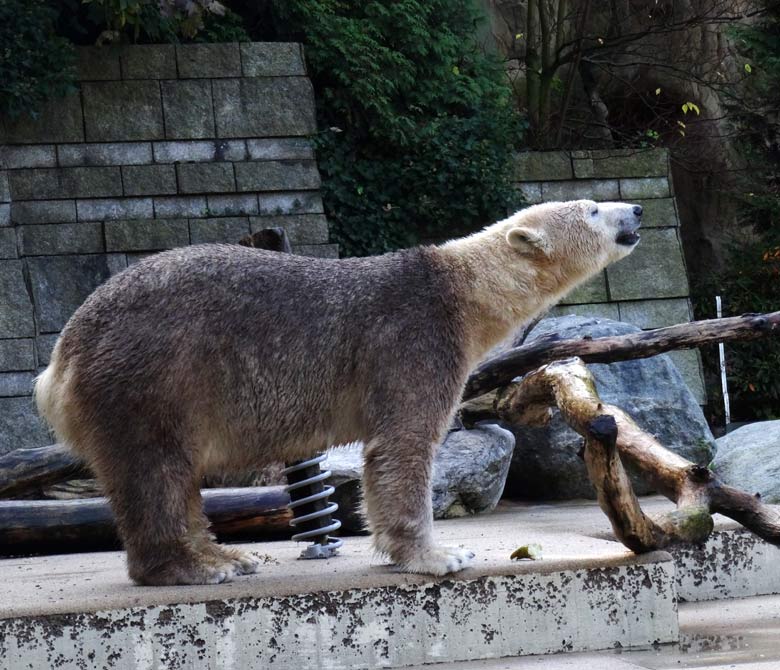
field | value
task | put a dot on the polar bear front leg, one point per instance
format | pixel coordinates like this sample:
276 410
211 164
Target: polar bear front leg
397 491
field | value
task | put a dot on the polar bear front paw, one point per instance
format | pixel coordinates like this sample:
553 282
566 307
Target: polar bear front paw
439 561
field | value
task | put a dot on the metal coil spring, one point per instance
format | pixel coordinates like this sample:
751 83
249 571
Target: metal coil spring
312 512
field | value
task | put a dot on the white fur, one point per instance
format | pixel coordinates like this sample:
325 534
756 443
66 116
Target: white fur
524 264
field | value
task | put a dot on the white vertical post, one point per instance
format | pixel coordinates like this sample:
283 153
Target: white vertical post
723 381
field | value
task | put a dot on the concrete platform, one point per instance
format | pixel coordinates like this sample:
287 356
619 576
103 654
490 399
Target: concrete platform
741 634
588 592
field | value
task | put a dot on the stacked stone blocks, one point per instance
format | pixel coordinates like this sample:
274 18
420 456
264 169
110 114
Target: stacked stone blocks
162 146
650 287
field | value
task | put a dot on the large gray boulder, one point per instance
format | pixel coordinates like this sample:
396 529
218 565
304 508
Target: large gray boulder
749 459
469 473
546 464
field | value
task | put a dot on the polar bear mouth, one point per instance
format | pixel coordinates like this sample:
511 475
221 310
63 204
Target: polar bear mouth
627 238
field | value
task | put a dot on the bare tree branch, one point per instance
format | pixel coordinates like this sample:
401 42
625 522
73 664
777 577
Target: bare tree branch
612 436
502 369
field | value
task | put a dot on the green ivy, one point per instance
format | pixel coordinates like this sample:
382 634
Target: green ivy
228 27
86 22
156 20
35 64
417 124
750 284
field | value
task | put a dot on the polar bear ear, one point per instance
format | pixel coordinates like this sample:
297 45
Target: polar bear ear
526 240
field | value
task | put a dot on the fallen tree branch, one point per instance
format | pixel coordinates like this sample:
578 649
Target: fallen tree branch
75 489
57 526
609 432
617 499
502 369
613 488
26 469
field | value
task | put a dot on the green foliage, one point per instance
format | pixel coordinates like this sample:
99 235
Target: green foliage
86 22
157 20
35 64
228 27
751 282
137 20
755 105
76 21
418 125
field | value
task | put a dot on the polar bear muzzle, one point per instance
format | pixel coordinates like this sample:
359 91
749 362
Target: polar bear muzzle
627 235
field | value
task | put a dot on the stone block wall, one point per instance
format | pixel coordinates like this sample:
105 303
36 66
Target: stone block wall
162 146
650 287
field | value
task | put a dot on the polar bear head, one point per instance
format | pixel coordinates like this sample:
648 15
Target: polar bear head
580 237
516 268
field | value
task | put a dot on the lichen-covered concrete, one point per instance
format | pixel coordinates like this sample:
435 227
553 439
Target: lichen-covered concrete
733 563
586 593
738 635
351 612
387 626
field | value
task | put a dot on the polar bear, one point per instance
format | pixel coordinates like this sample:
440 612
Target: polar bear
224 357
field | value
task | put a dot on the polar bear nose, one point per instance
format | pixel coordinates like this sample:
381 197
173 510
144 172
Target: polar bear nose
638 210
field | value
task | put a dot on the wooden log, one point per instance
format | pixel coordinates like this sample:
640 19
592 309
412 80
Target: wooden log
26 469
248 513
502 369
73 489
63 526
697 492
481 408
613 489
616 497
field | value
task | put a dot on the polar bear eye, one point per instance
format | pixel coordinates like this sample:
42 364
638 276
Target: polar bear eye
594 211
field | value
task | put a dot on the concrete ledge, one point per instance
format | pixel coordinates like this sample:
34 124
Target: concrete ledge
350 612
355 612
733 563
386 626
740 635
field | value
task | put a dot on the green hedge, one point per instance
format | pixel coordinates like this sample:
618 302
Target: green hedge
35 63
417 124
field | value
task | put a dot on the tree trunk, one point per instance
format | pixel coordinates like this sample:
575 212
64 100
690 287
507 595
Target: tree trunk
533 64
62 526
601 131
